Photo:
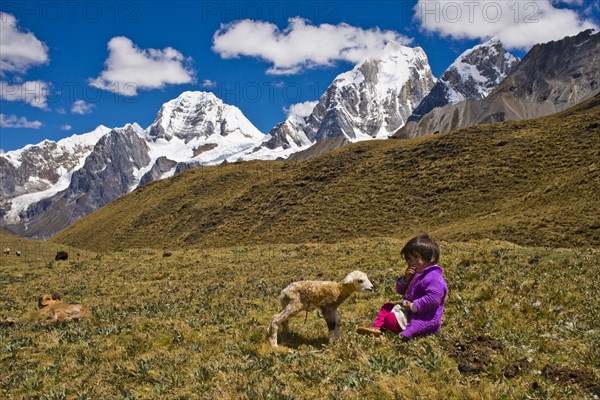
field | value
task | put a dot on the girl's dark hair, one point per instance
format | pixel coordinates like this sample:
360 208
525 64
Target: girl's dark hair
423 246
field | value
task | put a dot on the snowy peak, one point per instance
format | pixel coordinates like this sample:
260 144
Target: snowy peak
389 71
285 138
195 115
42 165
39 171
477 71
70 145
375 98
196 128
372 100
472 76
551 77
84 140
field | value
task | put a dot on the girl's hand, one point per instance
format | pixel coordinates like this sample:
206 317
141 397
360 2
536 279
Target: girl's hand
409 273
406 304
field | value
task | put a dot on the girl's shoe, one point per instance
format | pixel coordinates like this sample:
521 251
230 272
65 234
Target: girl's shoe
368 330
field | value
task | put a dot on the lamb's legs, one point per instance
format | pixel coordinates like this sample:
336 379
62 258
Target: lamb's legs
282 319
285 326
332 317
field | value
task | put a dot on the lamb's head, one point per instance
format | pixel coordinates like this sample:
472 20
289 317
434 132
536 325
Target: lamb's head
360 281
48 299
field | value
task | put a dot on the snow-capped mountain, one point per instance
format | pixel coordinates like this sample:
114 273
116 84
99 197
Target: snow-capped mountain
472 76
285 138
196 128
373 100
39 171
551 77
88 171
199 115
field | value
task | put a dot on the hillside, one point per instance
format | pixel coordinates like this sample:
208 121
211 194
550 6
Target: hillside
531 182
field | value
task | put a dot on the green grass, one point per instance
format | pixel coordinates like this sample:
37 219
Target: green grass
520 322
533 182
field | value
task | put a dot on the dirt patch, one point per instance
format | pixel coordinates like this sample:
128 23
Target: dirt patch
515 368
474 355
583 377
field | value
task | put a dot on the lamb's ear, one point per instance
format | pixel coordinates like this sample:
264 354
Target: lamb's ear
349 278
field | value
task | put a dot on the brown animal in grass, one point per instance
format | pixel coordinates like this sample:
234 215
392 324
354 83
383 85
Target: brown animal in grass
53 309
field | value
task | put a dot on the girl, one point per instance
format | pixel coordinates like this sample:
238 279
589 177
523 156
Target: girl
424 291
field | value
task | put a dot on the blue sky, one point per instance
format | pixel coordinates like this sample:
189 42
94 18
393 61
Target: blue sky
69 66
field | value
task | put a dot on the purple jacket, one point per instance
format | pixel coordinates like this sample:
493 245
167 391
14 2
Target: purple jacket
427 291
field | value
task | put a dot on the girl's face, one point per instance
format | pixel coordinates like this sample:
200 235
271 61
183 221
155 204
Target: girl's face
416 261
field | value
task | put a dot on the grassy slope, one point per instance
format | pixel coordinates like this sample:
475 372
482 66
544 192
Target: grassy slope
529 182
519 323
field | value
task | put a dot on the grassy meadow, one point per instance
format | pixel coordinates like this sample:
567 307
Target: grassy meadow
520 322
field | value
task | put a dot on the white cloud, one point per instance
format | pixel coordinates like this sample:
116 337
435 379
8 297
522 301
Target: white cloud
129 68
2 151
518 24
207 83
301 46
81 107
34 93
12 121
66 127
61 110
19 50
301 109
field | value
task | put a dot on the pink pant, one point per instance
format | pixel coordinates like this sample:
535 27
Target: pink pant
386 319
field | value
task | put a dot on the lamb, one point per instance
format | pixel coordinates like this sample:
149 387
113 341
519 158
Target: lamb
6 251
18 253
325 295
